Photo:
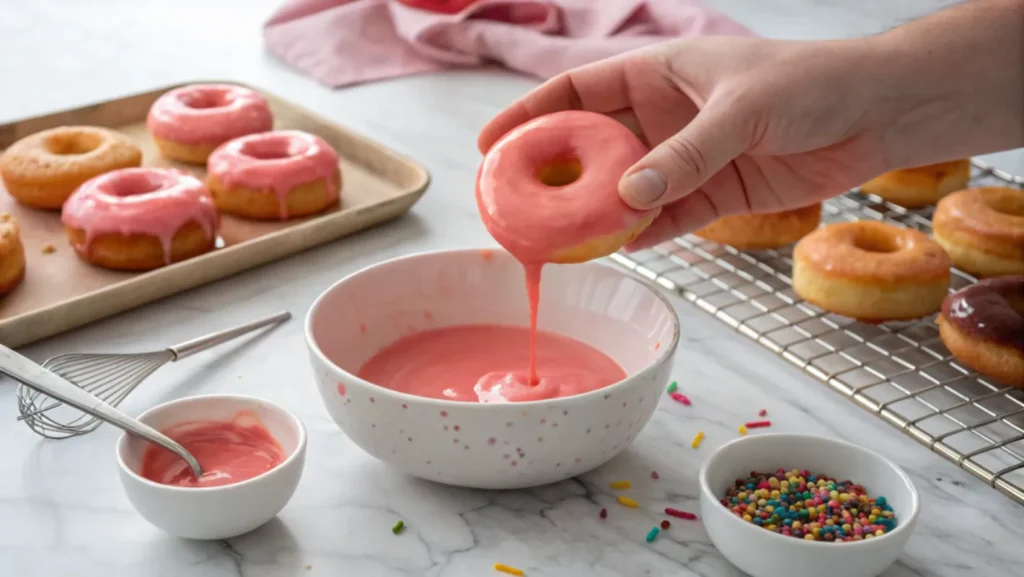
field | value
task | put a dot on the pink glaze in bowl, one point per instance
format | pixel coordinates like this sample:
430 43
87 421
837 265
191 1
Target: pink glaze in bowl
491 446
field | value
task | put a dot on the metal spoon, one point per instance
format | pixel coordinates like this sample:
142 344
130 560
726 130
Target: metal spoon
26 371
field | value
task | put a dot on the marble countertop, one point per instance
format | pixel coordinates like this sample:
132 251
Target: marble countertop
62 511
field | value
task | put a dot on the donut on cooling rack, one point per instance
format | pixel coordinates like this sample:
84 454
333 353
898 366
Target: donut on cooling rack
189 122
274 175
982 229
763 231
141 218
548 190
12 254
920 186
983 326
871 271
43 169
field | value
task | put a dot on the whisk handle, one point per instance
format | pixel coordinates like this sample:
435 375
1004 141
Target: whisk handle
23 369
194 346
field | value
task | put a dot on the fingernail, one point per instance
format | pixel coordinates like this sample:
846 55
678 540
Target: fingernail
644 187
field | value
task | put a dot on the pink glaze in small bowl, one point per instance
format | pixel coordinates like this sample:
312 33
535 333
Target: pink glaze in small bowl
490 446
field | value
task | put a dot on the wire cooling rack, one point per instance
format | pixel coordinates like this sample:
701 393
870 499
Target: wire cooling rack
899 371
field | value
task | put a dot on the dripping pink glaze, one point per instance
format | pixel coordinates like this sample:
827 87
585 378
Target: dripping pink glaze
489 366
146 201
208 114
275 161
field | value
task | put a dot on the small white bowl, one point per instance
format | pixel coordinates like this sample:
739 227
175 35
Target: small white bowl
214 512
762 553
490 446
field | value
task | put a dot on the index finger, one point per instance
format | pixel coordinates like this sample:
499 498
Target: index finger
598 87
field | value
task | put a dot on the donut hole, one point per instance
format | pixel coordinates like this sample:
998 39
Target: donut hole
560 172
269 148
201 99
134 183
69 144
872 241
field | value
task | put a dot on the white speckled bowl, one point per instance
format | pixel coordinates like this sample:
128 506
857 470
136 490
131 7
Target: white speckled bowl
493 446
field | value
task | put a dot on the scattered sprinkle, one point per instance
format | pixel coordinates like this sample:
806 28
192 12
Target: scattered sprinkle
813 507
49 249
743 429
620 485
506 569
672 387
308 566
398 527
680 514
652 534
628 502
665 524
697 440
680 398
757 424
655 475
604 513
762 412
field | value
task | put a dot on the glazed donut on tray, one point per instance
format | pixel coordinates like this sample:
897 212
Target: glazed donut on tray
763 231
274 175
983 326
43 169
922 185
548 190
982 229
141 218
189 122
871 271
12 254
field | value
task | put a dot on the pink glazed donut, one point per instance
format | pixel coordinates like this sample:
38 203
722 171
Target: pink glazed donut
141 218
548 190
188 123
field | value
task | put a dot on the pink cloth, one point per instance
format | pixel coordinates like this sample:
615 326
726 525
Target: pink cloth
340 42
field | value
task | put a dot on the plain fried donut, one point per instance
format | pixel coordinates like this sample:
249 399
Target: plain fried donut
189 122
763 231
12 254
548 190
922 185
871 271
982 230
141 218
274 175
43 169
983 326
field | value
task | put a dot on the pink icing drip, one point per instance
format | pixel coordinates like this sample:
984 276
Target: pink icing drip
150 201
208 114
277 161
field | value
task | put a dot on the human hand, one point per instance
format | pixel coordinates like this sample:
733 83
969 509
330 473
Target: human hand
738 125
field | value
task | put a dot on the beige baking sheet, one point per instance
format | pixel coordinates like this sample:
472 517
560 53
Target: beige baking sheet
61 292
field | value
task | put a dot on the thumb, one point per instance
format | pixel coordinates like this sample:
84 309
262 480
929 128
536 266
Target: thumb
683 162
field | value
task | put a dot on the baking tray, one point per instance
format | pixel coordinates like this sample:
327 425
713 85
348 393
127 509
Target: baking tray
898 371
61 292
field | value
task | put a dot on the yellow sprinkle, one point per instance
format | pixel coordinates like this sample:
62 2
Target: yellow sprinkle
743 430
697 440
747 518
49 249
808 537
506 569
623 500
620 485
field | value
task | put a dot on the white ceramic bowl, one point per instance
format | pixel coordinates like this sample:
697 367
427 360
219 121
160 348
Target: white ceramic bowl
762 553
214 512
497 446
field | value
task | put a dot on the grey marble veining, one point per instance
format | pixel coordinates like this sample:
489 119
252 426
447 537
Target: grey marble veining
62 512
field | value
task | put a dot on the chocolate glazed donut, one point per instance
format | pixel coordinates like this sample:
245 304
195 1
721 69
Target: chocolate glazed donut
983 326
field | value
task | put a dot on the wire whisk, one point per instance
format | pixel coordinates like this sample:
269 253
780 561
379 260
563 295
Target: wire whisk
110 377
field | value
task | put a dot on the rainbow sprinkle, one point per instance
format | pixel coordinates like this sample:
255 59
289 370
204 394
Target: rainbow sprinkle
762 412
626 501
652 534
655 475
506 569
743 429
680 398
757 424
620 485
680 514
665 524
672 387
398 527
604 513
697 440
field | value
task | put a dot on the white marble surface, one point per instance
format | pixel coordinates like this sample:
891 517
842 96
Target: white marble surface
62 512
